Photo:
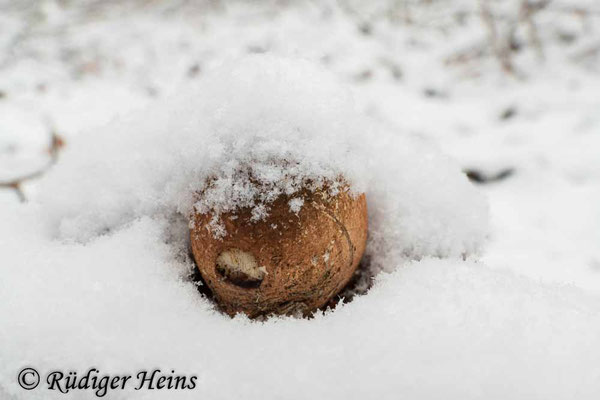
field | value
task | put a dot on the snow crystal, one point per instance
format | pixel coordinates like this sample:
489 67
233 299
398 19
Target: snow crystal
296 204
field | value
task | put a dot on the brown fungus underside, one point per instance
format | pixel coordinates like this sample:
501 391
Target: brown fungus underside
287 263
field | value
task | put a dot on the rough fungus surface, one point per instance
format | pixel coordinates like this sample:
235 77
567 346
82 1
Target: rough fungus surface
290 262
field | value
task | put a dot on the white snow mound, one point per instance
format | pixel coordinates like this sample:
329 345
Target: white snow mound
433 329
283 123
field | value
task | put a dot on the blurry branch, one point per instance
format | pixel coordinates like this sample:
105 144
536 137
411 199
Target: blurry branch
501 51
56 144
466 55
362 22
526 12
508 27
575 10
401 11
588 52
504 45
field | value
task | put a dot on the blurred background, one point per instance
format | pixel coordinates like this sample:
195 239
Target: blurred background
509 88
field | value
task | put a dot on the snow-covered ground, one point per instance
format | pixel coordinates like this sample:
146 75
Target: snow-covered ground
520 319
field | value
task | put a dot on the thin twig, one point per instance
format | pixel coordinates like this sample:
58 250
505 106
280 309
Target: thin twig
589 51
501 52
526 15
463 56
56 144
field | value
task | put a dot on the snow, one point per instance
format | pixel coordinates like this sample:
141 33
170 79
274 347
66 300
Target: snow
155 100
296 204
251 130
122 303
246 133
